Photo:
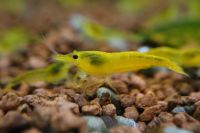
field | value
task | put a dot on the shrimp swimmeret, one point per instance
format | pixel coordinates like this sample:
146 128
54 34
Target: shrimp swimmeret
103 63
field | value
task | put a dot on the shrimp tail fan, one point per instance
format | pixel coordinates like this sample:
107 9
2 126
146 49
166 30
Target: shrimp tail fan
173 66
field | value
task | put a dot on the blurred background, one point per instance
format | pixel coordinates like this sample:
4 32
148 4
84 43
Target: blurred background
31 29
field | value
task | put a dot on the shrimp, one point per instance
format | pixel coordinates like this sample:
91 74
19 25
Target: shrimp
102 63
51 74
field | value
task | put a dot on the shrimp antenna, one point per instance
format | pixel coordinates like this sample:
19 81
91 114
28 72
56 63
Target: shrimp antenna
49 47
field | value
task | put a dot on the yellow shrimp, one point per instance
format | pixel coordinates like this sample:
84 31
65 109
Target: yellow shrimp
103 63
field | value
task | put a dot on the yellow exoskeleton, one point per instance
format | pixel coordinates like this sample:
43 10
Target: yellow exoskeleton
103 63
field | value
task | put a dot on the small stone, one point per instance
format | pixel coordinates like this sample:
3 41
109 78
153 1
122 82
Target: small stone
131 113
109 109
138 82
36 100
124 129
160 94
127 100
60 98
184 89
80 100
1 93
69 92
125 121
161 75
105 99
14 120
141 126
42 92
120 86
178 109
32 130
123 77
95 101
175 130
24 108
36 62
1 114
134 92
95 124
68 122
150 112
179 119
195 95
196 114
197 104
103 90
109 121
155 122
165 117
92 109
23 89
41 116
10 101
147 100
184 120
65 106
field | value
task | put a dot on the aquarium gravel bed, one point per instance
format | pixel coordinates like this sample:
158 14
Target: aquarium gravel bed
133 102
40 95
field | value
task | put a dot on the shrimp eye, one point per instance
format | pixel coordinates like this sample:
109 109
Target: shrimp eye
75 56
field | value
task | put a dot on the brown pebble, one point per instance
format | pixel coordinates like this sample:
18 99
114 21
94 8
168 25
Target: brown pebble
1 114
165 117
137 81
41 116
184 89
123 77
93 108
1 93
10 101
65 106
134 92
196 114
124 129
105 99
32 130
160 94
109 109
13 120
36 62
59 98
68 122
181 118
195 95
141 126
42 92
95 101
150 112
147 100
197 104
23 89
127 100
24 108
80 100
120 86
155 122
131 113
161 75
36 100
69 92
